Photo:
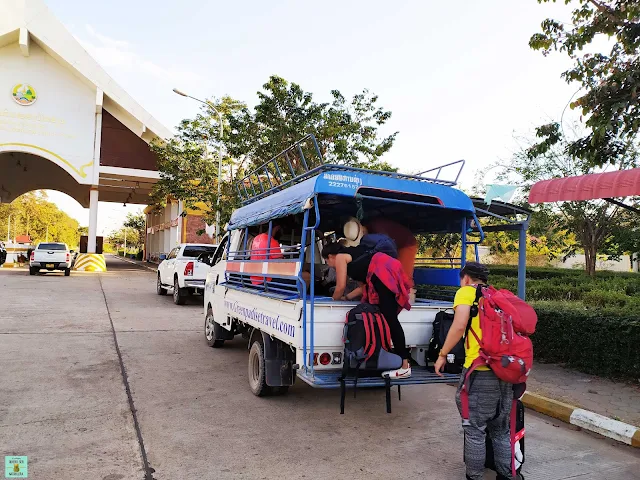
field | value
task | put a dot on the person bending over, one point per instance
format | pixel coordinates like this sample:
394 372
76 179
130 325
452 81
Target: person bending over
384 283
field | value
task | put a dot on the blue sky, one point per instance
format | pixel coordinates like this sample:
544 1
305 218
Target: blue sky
458 76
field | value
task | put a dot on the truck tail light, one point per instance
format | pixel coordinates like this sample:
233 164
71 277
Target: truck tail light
188 270
68 258
33 255
325 359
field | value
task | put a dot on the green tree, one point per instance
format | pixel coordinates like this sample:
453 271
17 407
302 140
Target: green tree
609 81
346 131
32 214
138 223
596 224
188 163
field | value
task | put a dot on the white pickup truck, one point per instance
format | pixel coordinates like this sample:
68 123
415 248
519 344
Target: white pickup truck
184 271
50 256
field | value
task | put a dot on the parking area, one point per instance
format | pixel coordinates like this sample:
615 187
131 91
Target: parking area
103 379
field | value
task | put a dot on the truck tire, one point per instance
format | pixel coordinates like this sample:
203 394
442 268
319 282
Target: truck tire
67 272
32 271
212 331
160 290
257 371
179 297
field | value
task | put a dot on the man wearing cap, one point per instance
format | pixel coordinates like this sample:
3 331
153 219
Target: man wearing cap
490 398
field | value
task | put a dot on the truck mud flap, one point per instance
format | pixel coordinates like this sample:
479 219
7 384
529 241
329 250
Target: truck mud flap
279 360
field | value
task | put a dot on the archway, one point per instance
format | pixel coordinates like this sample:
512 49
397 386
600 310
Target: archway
22 172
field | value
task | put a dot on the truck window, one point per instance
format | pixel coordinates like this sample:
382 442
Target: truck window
173 253
193 251
218 255
52 246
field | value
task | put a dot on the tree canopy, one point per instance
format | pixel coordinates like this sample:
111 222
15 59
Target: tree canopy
609 81
32 214
347 131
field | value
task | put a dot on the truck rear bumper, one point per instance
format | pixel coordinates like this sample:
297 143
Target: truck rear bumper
50 265
194 283
331 379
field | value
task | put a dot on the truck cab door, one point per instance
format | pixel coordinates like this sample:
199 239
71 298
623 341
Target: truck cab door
168 267
214 278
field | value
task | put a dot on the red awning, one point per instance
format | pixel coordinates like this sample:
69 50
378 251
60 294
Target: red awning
623 183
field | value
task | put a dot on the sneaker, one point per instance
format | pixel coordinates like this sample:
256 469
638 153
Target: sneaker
400 373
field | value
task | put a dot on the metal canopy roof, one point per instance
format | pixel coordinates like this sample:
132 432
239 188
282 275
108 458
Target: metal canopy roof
623 183
350 183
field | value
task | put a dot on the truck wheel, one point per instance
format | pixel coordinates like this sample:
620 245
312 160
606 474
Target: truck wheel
179 296
212 331
160 290
67 272
257 371
32 271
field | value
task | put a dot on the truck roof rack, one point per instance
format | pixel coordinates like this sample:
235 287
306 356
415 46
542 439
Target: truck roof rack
292 166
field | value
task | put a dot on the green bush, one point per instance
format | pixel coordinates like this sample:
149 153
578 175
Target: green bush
596 342
605 299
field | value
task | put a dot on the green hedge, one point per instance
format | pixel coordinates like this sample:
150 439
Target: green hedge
596 342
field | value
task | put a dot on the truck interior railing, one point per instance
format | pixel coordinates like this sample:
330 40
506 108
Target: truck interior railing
292 166
459 164
288 167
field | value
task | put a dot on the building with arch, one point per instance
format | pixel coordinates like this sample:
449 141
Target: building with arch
64 123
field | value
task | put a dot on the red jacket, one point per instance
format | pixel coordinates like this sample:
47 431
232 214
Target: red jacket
389 271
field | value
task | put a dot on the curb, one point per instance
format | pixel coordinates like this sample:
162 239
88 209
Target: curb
136 263
594 422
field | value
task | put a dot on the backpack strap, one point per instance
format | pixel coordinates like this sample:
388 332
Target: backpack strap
512 435
474 312
370 335
464 392
385 335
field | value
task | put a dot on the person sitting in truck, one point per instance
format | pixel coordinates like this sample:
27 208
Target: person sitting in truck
384 283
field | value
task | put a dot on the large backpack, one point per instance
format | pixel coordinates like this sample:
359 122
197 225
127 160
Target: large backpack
367 341
379 243
505 322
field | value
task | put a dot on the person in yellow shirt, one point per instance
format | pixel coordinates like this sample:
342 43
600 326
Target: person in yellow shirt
490 398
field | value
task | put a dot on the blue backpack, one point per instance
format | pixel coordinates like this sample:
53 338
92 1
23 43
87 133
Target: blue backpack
379 243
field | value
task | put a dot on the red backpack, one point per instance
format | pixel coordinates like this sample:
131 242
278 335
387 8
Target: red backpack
505 322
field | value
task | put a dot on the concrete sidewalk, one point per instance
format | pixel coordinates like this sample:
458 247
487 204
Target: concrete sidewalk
596 404
616 400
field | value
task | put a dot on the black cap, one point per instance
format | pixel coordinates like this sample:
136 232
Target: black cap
475 270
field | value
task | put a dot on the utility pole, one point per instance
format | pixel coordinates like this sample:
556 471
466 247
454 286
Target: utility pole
125 241
9 227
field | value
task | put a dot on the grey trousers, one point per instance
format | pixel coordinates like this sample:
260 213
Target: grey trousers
489 412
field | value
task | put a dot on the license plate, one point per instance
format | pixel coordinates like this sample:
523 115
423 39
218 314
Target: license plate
49 265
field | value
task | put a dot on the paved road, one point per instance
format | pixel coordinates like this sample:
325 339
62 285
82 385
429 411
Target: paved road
67 393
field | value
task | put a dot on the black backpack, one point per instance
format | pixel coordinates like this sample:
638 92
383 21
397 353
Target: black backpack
441 326
367 345
379 242
367 341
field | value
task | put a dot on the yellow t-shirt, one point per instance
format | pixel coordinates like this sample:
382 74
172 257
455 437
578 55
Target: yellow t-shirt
466 296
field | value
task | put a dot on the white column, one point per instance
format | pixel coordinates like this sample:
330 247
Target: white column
93 220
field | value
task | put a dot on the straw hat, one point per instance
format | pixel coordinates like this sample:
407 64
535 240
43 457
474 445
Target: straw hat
353 232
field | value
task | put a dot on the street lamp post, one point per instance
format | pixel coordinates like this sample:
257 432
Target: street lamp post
210 105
